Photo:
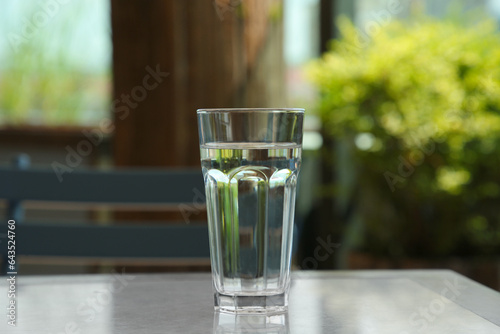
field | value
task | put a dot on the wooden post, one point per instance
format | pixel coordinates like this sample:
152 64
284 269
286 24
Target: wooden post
223 53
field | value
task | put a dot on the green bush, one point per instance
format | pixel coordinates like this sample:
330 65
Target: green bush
420 104
41 79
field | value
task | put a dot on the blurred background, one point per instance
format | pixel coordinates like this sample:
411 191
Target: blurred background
402 97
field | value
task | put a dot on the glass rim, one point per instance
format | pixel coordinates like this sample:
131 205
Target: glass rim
243 110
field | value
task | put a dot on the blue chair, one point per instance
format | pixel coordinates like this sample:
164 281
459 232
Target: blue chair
181 242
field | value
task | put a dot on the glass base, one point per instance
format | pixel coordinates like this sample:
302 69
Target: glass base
251 304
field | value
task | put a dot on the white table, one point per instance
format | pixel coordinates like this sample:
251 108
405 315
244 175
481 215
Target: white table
398 302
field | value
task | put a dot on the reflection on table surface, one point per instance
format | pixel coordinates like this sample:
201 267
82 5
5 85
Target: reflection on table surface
225 323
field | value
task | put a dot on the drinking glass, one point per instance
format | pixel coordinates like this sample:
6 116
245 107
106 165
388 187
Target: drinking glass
250 160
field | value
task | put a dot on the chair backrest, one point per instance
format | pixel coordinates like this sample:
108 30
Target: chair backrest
154 188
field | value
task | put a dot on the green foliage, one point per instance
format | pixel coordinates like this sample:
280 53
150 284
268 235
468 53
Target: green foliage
40 83
39 89
421 102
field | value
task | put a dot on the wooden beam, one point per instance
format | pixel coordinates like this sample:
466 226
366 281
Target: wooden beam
216 54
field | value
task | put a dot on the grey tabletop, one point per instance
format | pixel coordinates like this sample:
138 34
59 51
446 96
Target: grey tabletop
399 302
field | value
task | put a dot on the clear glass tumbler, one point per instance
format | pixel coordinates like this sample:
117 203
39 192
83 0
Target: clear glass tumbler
250 160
